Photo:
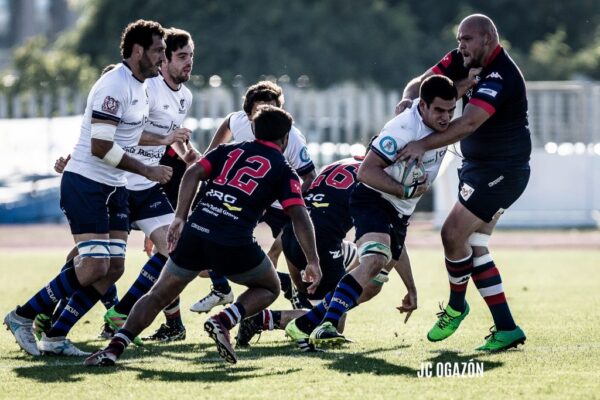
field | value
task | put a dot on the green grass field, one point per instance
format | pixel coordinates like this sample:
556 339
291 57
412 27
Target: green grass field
554 295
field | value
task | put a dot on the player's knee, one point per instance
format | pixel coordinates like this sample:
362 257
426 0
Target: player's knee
449 236
374 256
115 271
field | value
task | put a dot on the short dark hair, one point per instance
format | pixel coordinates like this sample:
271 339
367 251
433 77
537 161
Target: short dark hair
437 86
140 32
271 123
176 39
262 91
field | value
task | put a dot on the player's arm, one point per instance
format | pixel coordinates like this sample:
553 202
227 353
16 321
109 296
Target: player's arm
473 117
222 134
187 190
403 268
307 180
371 172
180 135
104 147
411 91
305 233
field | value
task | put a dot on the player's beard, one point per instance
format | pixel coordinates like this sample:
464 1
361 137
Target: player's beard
147 69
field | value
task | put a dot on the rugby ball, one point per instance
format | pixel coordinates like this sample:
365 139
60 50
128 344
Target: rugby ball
407 174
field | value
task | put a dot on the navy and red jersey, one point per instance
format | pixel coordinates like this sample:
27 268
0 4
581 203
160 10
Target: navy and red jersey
329 195
504 139
244 179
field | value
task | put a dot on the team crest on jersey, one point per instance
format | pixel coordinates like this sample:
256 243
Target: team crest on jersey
304 155
110 105
388 145
466 191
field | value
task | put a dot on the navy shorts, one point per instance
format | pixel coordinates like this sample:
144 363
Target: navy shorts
197 253
371 213
276 219
93 207
330 254
148 203
488 191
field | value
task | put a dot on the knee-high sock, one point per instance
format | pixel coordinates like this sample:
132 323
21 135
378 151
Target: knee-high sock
344 299
79 304
309 321
459 272
44 301
145 280
489 283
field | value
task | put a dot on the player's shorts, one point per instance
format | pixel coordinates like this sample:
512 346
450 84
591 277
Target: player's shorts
93 207
149 209
330 254
371 213
197 253
179 166
276 219
487 191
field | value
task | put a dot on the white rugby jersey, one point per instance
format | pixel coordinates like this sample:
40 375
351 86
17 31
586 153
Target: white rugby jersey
168 109
295 152
120 97
404 128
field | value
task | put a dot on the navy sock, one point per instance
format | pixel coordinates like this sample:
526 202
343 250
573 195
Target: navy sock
148 275
309 321
44 301
344 298
286 284
219 282
79 304
110 298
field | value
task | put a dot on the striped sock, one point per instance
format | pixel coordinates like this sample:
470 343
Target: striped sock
489 283
459 272
120 341
219 282
173 313
268 319
79 304
110 298
44 301
148 275
344 299
309 321
232 315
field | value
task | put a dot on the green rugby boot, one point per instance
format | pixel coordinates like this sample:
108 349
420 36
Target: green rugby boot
503 340
327 334
116 321
301 338
41 324
448 322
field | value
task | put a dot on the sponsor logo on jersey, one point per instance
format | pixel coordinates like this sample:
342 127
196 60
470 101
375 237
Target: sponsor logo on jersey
110 105
155 204
304 157
494 75
388 145
466 191
232 207
446 60
295 186
496 181
488 92
134 102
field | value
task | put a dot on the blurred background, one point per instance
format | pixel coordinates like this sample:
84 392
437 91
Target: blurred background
342 65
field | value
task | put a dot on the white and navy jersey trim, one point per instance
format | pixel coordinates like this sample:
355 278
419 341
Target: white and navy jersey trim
105 116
